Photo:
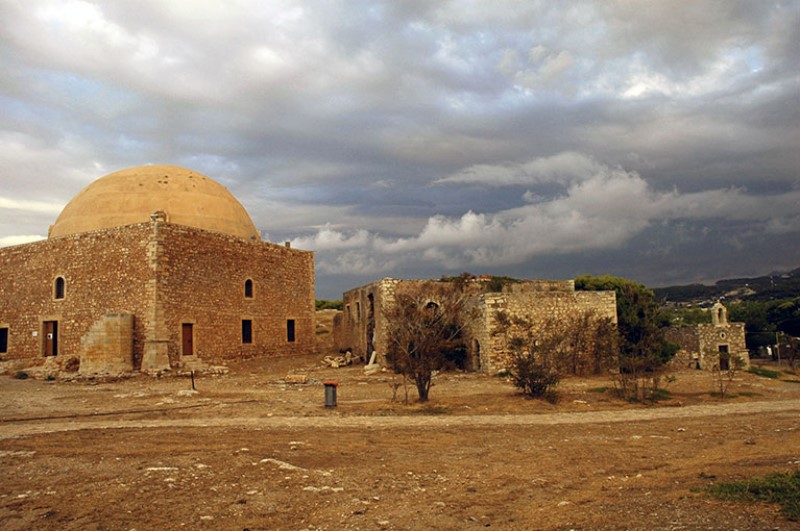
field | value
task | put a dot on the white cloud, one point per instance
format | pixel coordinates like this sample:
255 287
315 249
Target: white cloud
564 167
6 241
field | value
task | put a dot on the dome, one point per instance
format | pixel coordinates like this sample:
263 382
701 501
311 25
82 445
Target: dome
133 195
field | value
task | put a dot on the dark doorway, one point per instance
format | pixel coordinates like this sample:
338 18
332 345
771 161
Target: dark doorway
475 361
724 358
3 340
247 331
187 336
290 330
51 338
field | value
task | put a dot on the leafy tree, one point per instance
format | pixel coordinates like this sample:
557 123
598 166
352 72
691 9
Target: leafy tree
323 304
424 330
644 352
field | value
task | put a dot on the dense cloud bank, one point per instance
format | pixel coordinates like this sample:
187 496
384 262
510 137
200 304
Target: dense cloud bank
652 139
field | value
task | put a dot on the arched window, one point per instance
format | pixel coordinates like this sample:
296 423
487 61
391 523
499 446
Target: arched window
60 288
248 289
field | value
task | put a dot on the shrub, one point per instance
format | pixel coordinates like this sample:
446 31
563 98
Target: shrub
21 375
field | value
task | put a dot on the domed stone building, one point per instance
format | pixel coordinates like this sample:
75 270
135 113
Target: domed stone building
152 268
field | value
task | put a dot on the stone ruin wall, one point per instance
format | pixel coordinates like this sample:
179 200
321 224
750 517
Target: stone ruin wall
104 272
537 307
536 301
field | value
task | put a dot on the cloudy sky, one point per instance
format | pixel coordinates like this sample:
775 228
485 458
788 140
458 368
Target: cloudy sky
654 140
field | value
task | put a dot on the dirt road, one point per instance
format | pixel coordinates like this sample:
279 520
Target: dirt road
249 452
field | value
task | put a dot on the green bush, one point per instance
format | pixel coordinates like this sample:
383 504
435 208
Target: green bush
21 375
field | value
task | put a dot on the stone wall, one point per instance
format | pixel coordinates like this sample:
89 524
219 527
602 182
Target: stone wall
535 300
202 282
103 272
700 345
164 275
536 307
108 346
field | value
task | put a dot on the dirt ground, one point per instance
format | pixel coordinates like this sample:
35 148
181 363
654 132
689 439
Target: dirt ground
248 451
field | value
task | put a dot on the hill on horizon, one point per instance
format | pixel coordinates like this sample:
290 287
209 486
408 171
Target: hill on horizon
776 285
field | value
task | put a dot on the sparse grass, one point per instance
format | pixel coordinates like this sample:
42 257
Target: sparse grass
766 373
717 394
781 488
432 410
322 332
661 394
749 393
603 389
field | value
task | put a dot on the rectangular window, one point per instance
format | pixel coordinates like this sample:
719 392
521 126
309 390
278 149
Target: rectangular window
247 331
3 340
358 311
290 330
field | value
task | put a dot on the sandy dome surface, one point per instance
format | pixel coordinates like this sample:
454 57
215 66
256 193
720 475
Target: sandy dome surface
132 195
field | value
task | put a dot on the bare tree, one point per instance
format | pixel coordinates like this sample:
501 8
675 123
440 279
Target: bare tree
539 355
425 325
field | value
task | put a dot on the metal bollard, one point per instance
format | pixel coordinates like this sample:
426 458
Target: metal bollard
330 394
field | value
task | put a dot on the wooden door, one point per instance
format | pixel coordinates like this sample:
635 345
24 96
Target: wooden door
187 333
51 338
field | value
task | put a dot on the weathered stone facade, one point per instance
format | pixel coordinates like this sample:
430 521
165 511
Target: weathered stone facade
711 346
181 296
362 328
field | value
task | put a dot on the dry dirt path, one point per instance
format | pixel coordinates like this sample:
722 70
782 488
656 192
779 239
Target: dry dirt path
10 428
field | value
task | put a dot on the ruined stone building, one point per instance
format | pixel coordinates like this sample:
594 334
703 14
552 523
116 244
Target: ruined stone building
709 346
151 268
362 327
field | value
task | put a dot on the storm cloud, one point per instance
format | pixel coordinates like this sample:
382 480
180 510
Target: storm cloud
657 140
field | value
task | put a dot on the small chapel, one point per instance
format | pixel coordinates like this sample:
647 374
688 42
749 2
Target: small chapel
149 269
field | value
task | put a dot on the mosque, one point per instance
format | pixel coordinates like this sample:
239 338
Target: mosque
154 268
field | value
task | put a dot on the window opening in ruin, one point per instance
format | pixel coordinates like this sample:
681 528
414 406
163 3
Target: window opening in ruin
3 340
50 338
187 336
248 289
370 325
724 358
347 309
60 288
358 311
247 331
290 330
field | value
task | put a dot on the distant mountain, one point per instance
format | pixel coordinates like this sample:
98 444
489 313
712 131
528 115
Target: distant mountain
768 287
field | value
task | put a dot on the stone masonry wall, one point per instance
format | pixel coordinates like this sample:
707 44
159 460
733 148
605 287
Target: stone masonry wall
700 344
536 301
108 346
103 272
163 275
201 281
537 308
